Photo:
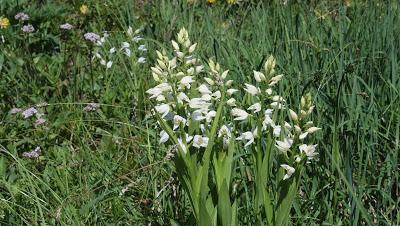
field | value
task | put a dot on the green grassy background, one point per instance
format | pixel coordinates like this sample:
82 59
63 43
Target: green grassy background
346 56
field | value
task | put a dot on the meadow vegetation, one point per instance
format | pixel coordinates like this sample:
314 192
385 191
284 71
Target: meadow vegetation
84 141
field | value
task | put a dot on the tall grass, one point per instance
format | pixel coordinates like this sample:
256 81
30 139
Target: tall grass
347 57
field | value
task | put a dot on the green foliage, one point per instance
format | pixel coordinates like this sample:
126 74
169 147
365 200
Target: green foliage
106 167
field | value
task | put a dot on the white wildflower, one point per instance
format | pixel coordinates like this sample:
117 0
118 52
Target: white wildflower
203 89
252 90
231 102
277 130
284 145
182 97
163 109
248 136
163 137
259 76
198 103
142 48
178 120
255 107
303 135
289 171
231 91
200 141
109 64
186 81
239 114
141 60
293 115
313 129
308 150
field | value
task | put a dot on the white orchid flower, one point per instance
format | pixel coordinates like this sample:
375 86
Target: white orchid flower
163 137
255 107
239 114
163 109
231 102
231 91
200 141
308 150
289 171
249 136
284 145
199 103
277 130
178 120
203 89
210 115
259 76
252 90
186 81
313 129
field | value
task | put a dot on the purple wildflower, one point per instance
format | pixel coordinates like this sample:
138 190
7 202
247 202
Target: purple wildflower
33 153
90 36
40 121
91 107
29 112
28 28
15 111
21 16
66 26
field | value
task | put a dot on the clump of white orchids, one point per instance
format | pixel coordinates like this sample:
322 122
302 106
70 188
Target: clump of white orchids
207 119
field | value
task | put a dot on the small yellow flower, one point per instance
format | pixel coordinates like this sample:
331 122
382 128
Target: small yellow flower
84 9
211 1
4 22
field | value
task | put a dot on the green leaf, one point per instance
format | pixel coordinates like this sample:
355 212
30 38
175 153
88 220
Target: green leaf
224 205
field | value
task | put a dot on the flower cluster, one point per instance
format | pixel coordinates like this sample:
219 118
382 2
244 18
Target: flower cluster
106 58
4 22
35 153
28 28
92 37
30 112
66 26
187 95
21 16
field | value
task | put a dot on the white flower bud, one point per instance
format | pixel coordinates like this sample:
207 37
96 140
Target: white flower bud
230 92
192 48
180 54
231 102
175 45
297 129
162 64
258 76
229 83
224 74
209 81
313 129
293 115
